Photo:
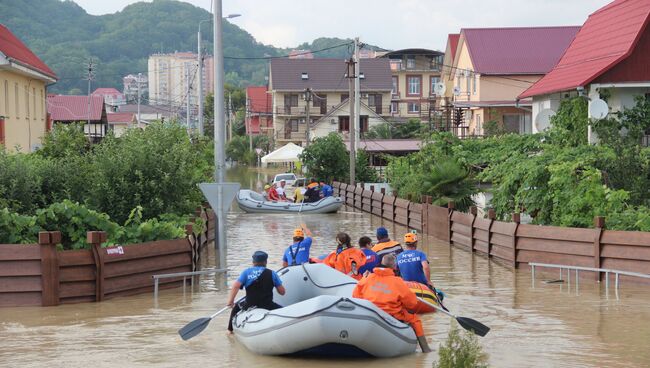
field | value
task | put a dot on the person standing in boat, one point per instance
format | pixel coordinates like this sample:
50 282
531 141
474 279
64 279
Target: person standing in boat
384 245
390 293
298 252
346 258
412 263
259 283
365 243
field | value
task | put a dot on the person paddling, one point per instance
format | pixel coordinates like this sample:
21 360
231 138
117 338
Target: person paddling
259 282
298 252
384 245
390 293
372 260
346 258
412 263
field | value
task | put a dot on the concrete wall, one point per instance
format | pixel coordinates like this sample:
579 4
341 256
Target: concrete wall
22 103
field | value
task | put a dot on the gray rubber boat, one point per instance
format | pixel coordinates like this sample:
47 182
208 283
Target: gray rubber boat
253 202
321 318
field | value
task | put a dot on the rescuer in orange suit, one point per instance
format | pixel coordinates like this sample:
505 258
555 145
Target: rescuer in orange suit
392 295
346 258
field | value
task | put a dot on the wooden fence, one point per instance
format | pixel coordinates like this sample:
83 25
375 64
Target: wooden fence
511 242
38 274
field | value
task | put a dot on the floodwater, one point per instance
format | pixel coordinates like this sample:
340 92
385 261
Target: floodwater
533 325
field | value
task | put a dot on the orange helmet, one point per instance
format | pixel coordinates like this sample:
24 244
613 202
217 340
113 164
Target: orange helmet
410 238
298 233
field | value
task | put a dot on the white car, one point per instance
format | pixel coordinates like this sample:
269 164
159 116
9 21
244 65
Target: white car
289 178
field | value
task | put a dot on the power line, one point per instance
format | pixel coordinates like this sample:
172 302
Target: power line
288 56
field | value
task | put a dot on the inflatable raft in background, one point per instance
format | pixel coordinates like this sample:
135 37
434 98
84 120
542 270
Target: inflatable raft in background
320 317
422 291
253 202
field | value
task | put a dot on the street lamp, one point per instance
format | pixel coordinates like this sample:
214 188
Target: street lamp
200 71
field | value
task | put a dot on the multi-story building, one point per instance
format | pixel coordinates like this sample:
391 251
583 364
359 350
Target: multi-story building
169 76
329 106
23 88
414 73
132 84
492 66
259 111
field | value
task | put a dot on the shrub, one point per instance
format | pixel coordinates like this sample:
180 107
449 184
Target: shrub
461 351
17 229
327 158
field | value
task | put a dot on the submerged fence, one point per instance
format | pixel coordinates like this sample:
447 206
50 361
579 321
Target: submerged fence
510 242
39 274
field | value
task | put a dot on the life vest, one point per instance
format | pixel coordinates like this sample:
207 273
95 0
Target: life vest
387 291
387 247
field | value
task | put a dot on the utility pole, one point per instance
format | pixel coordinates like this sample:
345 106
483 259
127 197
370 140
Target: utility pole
90 77
138 82
229 117
188 90
351 130
219 131
308 98
357 96
200 75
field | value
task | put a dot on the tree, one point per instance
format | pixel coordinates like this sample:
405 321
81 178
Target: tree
448 180
327 158
364 173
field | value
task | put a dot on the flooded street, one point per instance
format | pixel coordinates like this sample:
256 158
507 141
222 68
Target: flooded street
540 325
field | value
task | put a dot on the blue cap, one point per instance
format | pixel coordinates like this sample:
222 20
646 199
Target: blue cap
382 232
260 256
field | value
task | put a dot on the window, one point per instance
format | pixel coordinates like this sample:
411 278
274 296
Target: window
478 129
517 123
363 124
344 96
17 107
410 62
414 84
473 84
34 102
344 124
432 86
395 89
395 64
469 82
2 131
436 62
393 108
374 100
289 102
27 103
413 107
293 123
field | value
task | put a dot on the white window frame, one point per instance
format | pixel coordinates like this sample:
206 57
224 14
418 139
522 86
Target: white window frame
413 104
409 85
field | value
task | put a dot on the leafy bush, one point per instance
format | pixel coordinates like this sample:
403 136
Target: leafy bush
363 172
17 229
327 158
461 351
157 168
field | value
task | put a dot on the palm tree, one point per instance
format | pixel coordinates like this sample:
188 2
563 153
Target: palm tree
447 181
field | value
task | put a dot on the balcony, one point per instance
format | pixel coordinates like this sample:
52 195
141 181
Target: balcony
300 110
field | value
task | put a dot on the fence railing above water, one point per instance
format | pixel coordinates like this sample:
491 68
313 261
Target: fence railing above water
511 242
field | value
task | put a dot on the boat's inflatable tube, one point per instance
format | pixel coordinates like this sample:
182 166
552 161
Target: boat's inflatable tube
320 317
253 202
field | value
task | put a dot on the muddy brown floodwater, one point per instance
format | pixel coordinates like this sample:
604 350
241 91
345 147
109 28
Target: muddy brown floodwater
540 325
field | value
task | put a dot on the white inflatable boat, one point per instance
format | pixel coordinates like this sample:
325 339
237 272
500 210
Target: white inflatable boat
321 318
253 202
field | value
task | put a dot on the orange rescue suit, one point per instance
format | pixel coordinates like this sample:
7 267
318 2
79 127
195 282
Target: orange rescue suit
343 261
391 294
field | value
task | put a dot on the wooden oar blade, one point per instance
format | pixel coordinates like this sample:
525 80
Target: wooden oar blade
473 325
194 328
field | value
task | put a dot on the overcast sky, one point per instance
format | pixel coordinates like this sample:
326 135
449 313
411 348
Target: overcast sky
392 24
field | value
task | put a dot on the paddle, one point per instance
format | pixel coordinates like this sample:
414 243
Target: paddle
465 322
197 326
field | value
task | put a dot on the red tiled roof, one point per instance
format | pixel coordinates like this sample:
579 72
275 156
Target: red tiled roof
453 43
258 100
502 103
15 49
521 50
608 36
74 108
107 92
120 117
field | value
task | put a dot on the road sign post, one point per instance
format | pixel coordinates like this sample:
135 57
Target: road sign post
212 192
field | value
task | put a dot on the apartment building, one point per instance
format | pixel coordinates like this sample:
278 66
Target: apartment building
414 73
328 109
169 76
23 88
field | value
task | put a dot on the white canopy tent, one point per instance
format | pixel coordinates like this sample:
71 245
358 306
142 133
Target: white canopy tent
285 154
